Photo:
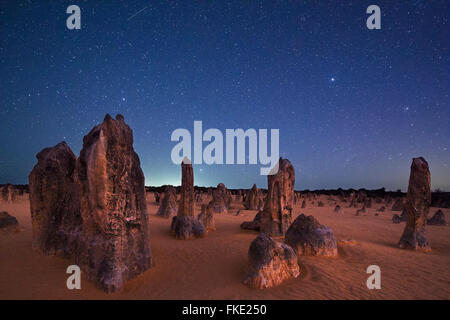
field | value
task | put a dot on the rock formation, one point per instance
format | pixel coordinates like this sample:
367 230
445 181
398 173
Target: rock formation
168 207
55 202
255 224
270 263
8 223
253 198
399 218
8 193
417 205
309 238
221 200
338 209
277 213
115 241
303 204
206 217
438 219
185 225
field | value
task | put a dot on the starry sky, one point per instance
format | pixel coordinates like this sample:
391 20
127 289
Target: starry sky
353 105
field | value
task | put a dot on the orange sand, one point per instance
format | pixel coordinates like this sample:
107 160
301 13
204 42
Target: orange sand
213 267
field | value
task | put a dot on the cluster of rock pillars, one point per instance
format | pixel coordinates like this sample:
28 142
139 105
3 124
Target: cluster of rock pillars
93 208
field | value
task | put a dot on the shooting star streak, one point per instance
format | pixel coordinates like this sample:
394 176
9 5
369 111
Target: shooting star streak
134 15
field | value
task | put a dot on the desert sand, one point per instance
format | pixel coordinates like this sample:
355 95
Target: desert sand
214 267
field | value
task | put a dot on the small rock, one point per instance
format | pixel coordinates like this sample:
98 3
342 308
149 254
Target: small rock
438 219
8 223
253 225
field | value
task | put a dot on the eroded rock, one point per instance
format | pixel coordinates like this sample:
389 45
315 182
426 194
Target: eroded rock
169 206
253 198
277 213
438 219
309 238
270 263
115 241
185 225
55 202
207 218
255 224
417 206
221 199
8 223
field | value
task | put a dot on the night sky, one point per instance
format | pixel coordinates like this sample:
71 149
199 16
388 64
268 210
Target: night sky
353 105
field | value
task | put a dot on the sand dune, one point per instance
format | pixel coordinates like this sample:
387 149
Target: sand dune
214 267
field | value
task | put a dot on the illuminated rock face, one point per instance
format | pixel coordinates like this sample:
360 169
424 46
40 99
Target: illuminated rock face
417 206
168 207
115 242
309 238
55 202
185 226
276 216
270 263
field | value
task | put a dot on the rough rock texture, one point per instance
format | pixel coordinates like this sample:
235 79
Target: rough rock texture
270 263
206 217
55 202
309 238
398 205
169 206
438 219
382 209
338 209
8 223
417 205
255 224
277 213
320 204
221 200
253 198
185 226
303 204
115 241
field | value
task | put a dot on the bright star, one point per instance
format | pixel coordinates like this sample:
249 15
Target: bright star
332 79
